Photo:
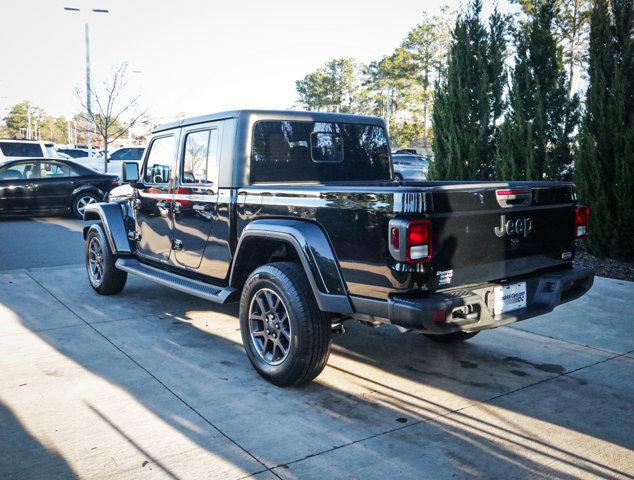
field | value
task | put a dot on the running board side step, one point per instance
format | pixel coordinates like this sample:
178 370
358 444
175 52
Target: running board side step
177 282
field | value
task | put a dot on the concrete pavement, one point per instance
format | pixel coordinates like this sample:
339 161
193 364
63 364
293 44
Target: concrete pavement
40 242
155 384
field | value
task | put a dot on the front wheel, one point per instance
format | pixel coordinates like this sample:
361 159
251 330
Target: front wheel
285 335
81 201
104 277
454 337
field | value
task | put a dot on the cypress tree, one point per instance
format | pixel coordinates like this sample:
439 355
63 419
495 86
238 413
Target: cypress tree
605 161
469 99
537 135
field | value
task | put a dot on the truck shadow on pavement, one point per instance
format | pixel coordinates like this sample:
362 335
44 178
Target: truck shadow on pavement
501 406
18 456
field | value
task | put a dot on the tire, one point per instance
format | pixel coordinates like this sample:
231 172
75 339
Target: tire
454 337
305 331
106 280
81 200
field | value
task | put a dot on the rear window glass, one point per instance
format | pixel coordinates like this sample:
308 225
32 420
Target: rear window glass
17 149
287 151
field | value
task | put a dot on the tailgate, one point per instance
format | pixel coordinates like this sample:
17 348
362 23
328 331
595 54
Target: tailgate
486 234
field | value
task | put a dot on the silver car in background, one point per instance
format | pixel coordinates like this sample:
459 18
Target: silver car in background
413 168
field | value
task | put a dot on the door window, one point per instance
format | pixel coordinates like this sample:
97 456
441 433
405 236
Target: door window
200 158
158 166
123 154
19 171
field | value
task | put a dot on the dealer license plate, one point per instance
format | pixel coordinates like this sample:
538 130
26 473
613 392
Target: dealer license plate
507 298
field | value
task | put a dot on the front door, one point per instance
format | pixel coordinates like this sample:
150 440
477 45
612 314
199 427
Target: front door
154 212
195 199
17 187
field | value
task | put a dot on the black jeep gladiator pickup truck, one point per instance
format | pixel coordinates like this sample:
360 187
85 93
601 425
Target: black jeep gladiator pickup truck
298 216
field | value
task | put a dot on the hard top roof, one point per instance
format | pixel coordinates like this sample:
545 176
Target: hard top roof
274 115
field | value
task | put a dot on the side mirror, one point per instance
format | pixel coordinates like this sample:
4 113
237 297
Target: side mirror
130 172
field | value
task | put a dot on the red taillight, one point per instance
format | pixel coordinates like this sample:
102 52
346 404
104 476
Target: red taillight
506 193
439 315
418 248
115 182
582 221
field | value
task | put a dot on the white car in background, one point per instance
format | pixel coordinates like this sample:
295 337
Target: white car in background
80 155
120 155
11 149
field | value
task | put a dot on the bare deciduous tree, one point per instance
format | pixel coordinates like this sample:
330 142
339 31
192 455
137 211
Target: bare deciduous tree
110 107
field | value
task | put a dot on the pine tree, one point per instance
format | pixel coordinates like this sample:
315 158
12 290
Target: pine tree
469 100
537 136
605 161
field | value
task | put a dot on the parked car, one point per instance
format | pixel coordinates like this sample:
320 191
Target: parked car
44 186
408 151
410 167
63 156
125 154
12 149
81 156
298 216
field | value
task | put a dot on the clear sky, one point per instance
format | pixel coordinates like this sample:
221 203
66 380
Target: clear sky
193 56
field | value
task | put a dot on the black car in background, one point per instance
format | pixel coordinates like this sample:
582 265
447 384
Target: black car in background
43 186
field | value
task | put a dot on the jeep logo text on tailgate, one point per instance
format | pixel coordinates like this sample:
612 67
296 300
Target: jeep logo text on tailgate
521 226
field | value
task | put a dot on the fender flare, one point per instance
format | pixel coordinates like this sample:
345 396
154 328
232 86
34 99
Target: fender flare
111 217
315 252
87 189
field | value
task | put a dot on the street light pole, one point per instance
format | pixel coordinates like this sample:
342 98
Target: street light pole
88 99
88 89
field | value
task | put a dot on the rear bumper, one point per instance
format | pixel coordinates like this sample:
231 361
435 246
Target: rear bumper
471 310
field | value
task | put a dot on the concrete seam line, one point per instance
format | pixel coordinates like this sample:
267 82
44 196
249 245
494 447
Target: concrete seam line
451 412
564 340
156 379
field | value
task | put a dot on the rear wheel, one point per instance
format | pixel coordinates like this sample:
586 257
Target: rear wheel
285 335
81 201
454 337
104 277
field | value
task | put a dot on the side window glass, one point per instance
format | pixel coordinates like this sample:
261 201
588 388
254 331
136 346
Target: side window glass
118 155
159 161
56 170
136 153
200 159
19 171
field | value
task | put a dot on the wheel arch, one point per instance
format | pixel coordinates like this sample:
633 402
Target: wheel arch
113 224
263 241
87 189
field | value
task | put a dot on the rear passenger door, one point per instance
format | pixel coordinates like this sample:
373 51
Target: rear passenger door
55 185
196 197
